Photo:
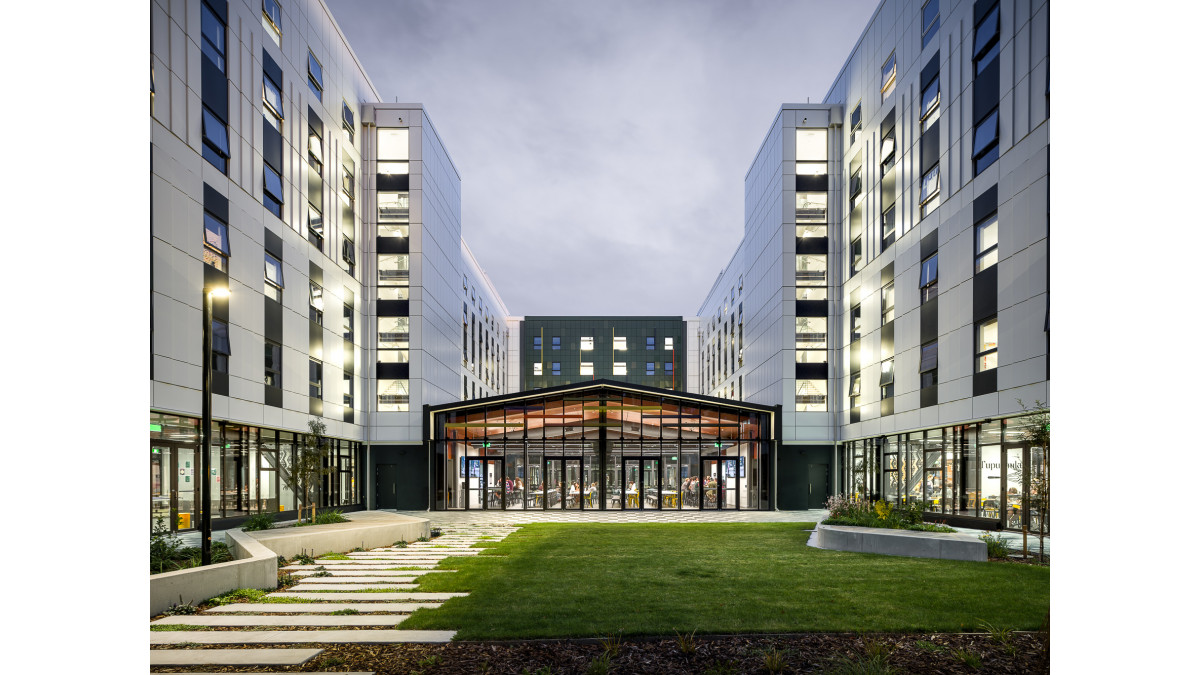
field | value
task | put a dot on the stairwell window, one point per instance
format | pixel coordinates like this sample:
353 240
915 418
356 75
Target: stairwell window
587 343
986 334
811 395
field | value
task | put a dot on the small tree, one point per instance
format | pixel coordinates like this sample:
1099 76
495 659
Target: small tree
303 470
1037 434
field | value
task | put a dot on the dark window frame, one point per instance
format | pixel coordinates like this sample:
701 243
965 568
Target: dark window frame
348 120
887 379
273 202
277 286
276 21
884 307
854 390
556 368
990 219
215 53
215 134
275 108
887 80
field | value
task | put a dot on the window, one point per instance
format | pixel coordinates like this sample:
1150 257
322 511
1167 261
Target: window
929 278
986 333
555 368
669 368
556 342
986 148
987 239
619 343
930 20
987 39
931 103
887 386
315 80
888 303
537 369
855 390
620 368
272 20
650 343
393 395
855 123
316 304
220 346
216 140
348 390
586 368
856 256
393 339
273 282
810 270
887 79
811 339
216 242
393 276
586 343
888 227
316 150
669 344
649 367
887 150
855 187
348 184
212 37
272 190
811 207
930 191
348 122
348 317
273 365
316 227
929 362
348 252
537 343
811 395
393 215
272 103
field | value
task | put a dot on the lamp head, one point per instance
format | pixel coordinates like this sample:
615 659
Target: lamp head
218 292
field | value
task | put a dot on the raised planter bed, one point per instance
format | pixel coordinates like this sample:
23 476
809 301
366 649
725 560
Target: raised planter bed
908 543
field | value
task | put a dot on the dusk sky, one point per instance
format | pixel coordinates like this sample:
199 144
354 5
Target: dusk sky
602 145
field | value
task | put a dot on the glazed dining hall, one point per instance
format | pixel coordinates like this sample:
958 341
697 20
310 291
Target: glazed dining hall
601 446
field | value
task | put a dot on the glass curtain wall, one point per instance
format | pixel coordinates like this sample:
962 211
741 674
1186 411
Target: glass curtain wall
983 470
812 265
605 450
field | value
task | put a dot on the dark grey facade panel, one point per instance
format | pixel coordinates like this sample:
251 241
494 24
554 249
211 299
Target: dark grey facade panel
855 415
316 339
984 383
889 122
982 7
986 91
391 244
929 320
812 308
887 340
887 274
812 183
272 69
273 320
929 244
315 187
316 407
929 396
220 384
273 243
887 406
391 371
812 371
272 147
854 351
316 274
272 396
391 307
986 203
887 190
812 244
391 182
314 121
930 147
931 69
214 89
216 203
984 293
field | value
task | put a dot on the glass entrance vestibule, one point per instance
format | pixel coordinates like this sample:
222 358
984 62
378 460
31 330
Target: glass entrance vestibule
988 471
601 447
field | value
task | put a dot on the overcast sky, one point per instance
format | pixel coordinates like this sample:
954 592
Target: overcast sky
602 145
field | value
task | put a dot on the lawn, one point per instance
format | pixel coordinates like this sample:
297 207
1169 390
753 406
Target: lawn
562 580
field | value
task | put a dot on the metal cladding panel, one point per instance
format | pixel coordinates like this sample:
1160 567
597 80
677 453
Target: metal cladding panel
887 340
929 244
812 371
272 147
986 92
216 203
272 320
984 293
929 396
929 320
314 121
812 244
985 204
812 183
391 244
214 89
391 307
887 407
272 396
889 122
273 243
984 383
812 308
391 182
931 68
887 274
930 148
220 384
391 371
272 69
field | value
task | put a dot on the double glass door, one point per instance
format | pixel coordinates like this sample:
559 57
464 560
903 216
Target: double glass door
483 482
565 486
173 477
641 487
719 483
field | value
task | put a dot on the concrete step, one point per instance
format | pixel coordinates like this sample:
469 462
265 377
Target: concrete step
230 657
385 565
312 608
340 597
344 579
278 637
307 586
280 620
355 572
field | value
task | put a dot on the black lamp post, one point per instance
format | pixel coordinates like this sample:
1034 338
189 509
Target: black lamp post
206 428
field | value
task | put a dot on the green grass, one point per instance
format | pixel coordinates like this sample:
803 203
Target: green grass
562 580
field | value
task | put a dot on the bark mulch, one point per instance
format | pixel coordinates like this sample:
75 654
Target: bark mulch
807 653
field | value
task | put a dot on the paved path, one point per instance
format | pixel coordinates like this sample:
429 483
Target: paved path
362 585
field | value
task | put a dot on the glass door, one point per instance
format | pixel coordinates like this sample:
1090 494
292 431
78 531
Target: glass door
573 471
651 483
729 491
590 487
162 489
631 484
473 483
553 497
173 486
493 483
711 484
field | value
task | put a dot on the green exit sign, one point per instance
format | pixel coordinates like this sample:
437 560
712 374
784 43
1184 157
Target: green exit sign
155 427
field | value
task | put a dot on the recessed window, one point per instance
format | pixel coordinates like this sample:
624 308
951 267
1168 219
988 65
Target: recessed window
537 343
812 339
556 342
316 227
855 390
929 364
856 322
272 190
888 228
393 395
986 334
669 343
348 122
393 276
348 252
887 150
273 281
811 395
586 368
316 150
888 303
887 79
987 239
986 148
273 364
272 103
930 20
810 270
987 39
316 303
856 256
650 342
216 140
316 80
620 368
220 346
272 20
216 242
537 369
931 103
649 367
555 368
212 37
931 188
811 230
393 144
348 390
393 214
348 185
855 123
887 387
586 343
812 207
855 187
393 338
929 278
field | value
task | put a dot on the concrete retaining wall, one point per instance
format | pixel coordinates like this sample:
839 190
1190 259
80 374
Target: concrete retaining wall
256 553
909 543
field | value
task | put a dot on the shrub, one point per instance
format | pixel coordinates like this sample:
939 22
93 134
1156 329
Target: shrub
422 538
304 559
686 642
181 609
286 579
883 509
259 521
997 545
774 660
400 544
247 594
321 572
435 532
330 517
164 547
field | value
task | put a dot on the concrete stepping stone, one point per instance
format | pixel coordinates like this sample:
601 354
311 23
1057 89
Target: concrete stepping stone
309 586
344 579
231 657
280 620
384 565
311 608
356 573
339 597
276 637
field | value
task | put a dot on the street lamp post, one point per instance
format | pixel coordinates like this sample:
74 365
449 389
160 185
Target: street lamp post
206 428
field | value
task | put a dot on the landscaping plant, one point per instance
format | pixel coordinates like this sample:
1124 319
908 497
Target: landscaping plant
907 516
301 471
259 521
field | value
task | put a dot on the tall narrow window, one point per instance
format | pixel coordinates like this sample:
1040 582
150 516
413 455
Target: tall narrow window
272 20
887 150
348 122
212 37
855 188
929 278
216 242
650 343
393 339
272 190
930 191
619 343
986 148
931 103
887 387
929 364
273 364
220 346
314 378
811 339
887 81
316 79
986 333
316 304
856 255
888 303
393 276
987 39
216 140
987 239
888 228
214 133
855 123
668 343
273 281
811 395
856 322
930 21
272 102
855 390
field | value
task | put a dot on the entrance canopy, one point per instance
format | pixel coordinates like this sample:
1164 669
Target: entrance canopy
601 445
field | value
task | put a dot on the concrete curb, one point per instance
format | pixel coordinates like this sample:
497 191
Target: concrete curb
907 543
